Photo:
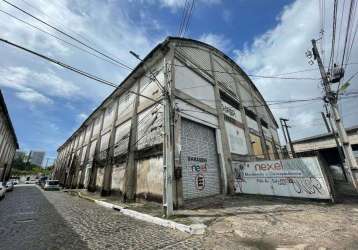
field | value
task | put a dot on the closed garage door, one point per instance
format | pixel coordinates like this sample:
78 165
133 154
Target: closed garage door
199 161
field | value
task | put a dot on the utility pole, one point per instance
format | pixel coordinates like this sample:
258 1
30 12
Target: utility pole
326 123
334 134
168 142
331 98
284 125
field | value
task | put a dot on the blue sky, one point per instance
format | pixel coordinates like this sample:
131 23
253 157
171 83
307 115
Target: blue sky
266 37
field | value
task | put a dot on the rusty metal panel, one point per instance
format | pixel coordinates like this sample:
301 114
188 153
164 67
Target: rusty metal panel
300 177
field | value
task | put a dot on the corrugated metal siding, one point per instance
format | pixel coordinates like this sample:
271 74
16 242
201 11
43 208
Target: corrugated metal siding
199 160
150 123
122 138
199 57
109 116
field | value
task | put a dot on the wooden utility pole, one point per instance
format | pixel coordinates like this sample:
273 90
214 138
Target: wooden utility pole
331 98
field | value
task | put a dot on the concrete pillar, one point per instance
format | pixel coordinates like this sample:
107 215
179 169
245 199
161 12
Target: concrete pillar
86 159
243 115
224 138
107 178
131 168
93 177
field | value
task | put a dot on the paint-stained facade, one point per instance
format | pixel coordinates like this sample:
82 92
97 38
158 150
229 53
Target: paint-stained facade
217 116
8 141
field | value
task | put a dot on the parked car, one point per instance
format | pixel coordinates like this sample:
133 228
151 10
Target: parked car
43 180
9 186
2 191
52 185
15 182
30 181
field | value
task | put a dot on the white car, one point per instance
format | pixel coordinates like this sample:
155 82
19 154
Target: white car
9 186
52 185
2 191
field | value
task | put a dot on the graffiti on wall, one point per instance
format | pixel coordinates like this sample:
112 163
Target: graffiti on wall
301 177
198 168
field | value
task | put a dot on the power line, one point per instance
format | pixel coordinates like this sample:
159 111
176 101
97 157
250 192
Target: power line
52 17
183 17
189 17
69 36
58 38
81 72
252 75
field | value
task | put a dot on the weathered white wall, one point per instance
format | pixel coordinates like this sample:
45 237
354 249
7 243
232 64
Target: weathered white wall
192 84
194 113
118 174
300 177
150 178
251 123
237 140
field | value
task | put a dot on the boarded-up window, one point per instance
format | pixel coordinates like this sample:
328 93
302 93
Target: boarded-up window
237 139
256 144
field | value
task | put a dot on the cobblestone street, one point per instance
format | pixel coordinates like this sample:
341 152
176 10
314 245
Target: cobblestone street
29 220
33 219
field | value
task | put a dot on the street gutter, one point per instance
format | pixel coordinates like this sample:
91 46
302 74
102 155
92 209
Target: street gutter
194 229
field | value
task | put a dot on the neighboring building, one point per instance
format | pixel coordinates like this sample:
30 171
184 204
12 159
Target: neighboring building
21 155
37 157
325 146
218 117
8 141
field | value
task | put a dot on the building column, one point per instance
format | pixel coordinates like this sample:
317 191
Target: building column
229 189
93 177
131 168
107 178
243 116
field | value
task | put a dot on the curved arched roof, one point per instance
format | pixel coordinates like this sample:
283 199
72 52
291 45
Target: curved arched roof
231 61
162 46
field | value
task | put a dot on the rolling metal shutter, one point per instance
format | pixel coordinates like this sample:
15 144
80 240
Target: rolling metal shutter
199 161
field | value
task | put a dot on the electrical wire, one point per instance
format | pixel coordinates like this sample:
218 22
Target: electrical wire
58 38
81 72
123 65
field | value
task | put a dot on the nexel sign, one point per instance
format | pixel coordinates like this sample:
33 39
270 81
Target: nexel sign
267 166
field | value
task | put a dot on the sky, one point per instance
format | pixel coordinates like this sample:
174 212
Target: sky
265 37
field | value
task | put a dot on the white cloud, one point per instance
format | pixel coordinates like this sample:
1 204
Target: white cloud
219 41
31 85
176 4
282 49
33 97
81 117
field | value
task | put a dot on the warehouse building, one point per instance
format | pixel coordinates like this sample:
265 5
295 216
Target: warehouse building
177 122
8 141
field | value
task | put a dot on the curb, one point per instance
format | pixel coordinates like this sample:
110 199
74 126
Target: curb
194 229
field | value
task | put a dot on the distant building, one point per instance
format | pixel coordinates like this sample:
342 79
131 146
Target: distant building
21 155
8 141
37 157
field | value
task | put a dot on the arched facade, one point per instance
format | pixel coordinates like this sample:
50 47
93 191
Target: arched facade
216 116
